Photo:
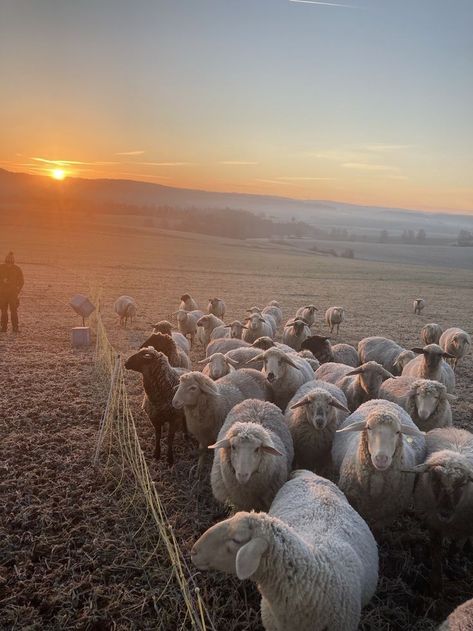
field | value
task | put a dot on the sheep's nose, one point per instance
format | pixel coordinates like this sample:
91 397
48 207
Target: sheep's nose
270 377
176 404
243 477
444 515
320 423
381 462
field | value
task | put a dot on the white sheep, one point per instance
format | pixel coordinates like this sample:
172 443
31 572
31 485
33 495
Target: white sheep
253 456
206 403
418 304
443 496
359 384
216 306
233 330
295 332
257 327
370 451
218 365
456 342
188 303
334 316
125 307
308 356
386 352
206 324
313 558
163 326
187 322
312 415
461 618
307 313
430 333
241 356
224 344
345 354
427 402
285 372
431 364
274 310
268 318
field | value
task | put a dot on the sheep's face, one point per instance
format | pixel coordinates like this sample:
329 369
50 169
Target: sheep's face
146 359
299 327
433 355
190 389
246 454
181 316
372 377
163 327
236 329
320 346
427 399
403 359
218 366
264 343
254 322
461 344
383 436
450 487
231 546
274 366
205 322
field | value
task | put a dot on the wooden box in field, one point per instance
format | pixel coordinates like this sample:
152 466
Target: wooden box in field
80 336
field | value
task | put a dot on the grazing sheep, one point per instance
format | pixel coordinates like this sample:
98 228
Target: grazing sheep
207 324
165 344
461 619
345 354
275 311
427 402
257 327
188 303
313 558
334 316
430 333
430 364
187 322
125 307
370 451
206 403
386 352
253 456
285 372
443 495
307 313
295 332
359 385
216 306
312 415
233 330
159 382
456 342
224 344
266 342
218 365
418 304
163 326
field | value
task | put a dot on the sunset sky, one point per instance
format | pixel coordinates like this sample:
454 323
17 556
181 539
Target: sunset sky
365 101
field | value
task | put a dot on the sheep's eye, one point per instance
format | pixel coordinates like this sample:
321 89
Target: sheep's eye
369 429
257 449
398 433
233 447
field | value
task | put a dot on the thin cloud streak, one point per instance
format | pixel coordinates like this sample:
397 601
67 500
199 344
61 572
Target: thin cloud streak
362 166
164 164
130 153
66 162
237 162
325 4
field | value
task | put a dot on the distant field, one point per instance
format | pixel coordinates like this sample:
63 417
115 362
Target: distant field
68 558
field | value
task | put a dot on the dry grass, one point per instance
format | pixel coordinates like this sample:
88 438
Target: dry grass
69 557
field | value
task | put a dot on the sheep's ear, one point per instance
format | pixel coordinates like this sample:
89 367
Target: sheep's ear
258 358
206 384
357 426
271 450
452 397
221 444
449 355
228 326
386 373
417 349
205 361
245 327
357 371
299 404
290 323
262 320
289 361
420 468
232 362
336 404
249 556
408 430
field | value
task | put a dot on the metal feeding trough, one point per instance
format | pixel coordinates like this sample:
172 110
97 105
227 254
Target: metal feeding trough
83 307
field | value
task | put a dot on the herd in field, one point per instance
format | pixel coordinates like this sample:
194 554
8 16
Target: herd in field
317 447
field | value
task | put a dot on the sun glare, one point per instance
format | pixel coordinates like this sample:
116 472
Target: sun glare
58 174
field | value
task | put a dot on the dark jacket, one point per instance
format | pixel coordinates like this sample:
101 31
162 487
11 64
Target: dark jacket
11 279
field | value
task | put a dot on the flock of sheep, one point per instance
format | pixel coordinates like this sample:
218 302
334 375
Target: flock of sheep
315 448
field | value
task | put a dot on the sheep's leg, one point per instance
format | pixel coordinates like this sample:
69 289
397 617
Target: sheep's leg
157 447
170 442
436 579
185 431
203 451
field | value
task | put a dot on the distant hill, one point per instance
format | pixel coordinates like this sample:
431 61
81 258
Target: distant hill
34 190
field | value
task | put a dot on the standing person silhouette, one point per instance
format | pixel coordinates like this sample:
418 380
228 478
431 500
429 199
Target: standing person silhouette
11 283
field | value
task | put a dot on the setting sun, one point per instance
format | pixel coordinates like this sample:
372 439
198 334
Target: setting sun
58 174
